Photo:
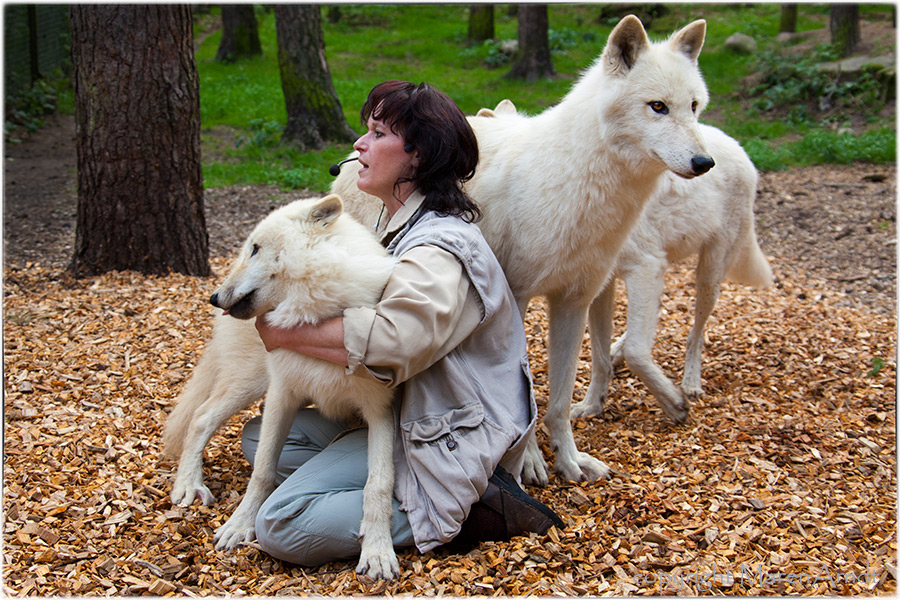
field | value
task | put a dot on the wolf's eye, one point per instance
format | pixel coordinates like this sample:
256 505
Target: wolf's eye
254 250
659 107
694 106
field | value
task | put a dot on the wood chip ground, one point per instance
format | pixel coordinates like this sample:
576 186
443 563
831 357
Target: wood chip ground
782 482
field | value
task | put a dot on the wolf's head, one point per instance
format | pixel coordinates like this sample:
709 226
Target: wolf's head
300 259
652 94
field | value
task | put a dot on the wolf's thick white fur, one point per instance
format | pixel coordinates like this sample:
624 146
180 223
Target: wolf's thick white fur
305 262
711 216
561 190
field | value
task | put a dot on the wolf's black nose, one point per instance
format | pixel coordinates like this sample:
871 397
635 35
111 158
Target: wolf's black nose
702 164
214 300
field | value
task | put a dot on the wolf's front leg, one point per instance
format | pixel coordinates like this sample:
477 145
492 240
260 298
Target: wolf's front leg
377 557
567 321
276 423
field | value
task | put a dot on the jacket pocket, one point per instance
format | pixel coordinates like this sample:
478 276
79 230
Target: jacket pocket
432 429
450 457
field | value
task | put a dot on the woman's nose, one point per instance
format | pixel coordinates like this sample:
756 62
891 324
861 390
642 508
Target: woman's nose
357 145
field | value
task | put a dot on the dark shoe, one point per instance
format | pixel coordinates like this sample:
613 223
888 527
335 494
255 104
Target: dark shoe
503 511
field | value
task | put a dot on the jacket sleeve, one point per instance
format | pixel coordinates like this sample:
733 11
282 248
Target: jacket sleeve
427 309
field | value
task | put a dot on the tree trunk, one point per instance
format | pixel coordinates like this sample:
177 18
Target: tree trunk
844 25
240 33
481 22
788 21
334 13
533 59
137 114
314 111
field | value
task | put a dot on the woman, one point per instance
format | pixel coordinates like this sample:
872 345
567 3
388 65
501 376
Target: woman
447 335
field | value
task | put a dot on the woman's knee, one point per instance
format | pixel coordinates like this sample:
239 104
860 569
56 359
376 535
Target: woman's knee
302 535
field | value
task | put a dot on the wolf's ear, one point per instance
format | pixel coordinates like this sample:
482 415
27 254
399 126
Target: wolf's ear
626 43
505 107
689 39
327 210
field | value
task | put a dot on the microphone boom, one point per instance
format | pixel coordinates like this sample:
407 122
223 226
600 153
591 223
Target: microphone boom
335 170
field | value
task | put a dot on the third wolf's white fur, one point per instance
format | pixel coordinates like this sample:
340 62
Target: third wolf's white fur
711 216
561 190
303 263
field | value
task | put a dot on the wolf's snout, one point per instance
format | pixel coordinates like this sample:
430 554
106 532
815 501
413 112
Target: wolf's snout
214 300
701 164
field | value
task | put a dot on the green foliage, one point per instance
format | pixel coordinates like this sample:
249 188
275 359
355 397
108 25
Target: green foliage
877 366
821 146
789 81
262 134
27 111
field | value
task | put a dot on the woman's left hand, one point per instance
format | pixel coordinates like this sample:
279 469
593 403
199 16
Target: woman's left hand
323 340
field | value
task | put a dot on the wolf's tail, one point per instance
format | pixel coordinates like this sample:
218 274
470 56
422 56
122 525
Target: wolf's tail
195 393
750 266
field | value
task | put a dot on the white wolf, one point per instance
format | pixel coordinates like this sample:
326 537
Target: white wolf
304 262
561 190
711 216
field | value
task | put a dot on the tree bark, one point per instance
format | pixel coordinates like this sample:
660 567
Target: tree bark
314 111
137 113
481 22
788 21
533 59
844 25
240 33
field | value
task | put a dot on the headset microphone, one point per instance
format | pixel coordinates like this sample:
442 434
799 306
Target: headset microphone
335 170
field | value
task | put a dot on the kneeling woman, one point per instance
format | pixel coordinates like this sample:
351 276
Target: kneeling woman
447 334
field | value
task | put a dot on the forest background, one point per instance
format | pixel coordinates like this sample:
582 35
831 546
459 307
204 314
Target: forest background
776 101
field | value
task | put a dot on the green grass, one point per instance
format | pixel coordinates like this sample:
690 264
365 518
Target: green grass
242 108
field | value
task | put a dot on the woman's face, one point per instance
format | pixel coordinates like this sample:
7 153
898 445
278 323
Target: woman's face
383 161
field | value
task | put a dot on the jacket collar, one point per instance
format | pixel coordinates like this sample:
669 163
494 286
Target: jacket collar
388 229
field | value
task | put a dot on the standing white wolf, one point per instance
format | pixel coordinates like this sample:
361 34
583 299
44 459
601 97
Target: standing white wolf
305 262
711 216
561 190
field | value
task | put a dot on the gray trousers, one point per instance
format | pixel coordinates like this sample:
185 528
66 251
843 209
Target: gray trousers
313 515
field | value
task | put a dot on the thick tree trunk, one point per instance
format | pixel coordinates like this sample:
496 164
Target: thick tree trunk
137 112
240 33
314 111
844 24
481 22
533 60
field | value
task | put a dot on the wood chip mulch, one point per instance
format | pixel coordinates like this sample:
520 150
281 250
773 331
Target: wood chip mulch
783 481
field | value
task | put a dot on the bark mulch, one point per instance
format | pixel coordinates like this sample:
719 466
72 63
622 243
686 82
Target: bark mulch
783 481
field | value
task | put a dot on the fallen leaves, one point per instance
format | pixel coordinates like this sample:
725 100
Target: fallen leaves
782 482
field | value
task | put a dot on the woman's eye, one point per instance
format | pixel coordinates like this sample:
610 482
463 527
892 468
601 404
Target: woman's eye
659 107
254 249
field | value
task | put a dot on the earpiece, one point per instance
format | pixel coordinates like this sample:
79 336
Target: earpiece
408 148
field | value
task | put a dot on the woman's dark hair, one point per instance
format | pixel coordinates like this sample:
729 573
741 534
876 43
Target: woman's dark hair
433 125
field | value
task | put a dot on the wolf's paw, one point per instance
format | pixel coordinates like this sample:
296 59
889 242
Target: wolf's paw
676 408
230 535
184 495
584 468
589 407
379 565
534 470
692 393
